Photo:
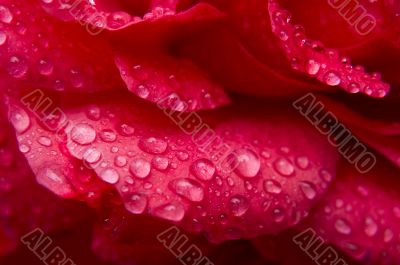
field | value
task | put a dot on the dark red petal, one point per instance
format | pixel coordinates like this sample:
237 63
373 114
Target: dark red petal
155 75
309 56
159 170
361 213
38 50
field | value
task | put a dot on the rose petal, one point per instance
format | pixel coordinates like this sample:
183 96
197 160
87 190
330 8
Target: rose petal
154 76
312 58
40 51
158 170
360 215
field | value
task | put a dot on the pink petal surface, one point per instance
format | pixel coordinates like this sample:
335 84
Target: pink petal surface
158 170
41 51
360 215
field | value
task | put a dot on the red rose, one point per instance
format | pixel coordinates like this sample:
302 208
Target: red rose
124 139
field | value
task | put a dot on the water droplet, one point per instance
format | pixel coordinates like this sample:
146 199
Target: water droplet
308 190
120 161
76 78
153 145
388 235
325 175
332 79
45 141
59 85
54 181
396 212
5 15
17 67
93 113
278 215
283 35
182 155
126 130
302 162
3 38
370 227
238 205
118 19
188 188
312 67
137 204
110 175
342 227
19 119
160 163
140 168
203 169
284 167
92 155
24 148
108 135
272 186
281 17
172 212
45 67
83 134
142 91
139 73
247 163
353 88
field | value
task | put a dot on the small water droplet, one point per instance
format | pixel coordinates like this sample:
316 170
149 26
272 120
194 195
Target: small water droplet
238 205
108 135
120 161
203 169
332 79
160 163
308 190
272 186
45 141
172 212
126 130
19 119
284 167
302 162
353 88
93 112
153 145
45 67
17 67
388 235
325 175
140 168
3 38
188 188
312 67
24 148
342 227
83 134
278 215
110 175
137 203
142 91
370 226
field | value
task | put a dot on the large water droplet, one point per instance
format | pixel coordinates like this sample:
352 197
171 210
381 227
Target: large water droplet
137 204
140 168
272 186
203 169
142 91
188 188
172 212
5 15
19 119
83 134
153 145
308 190
342 227
238 205
247 163
284 167
109 175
